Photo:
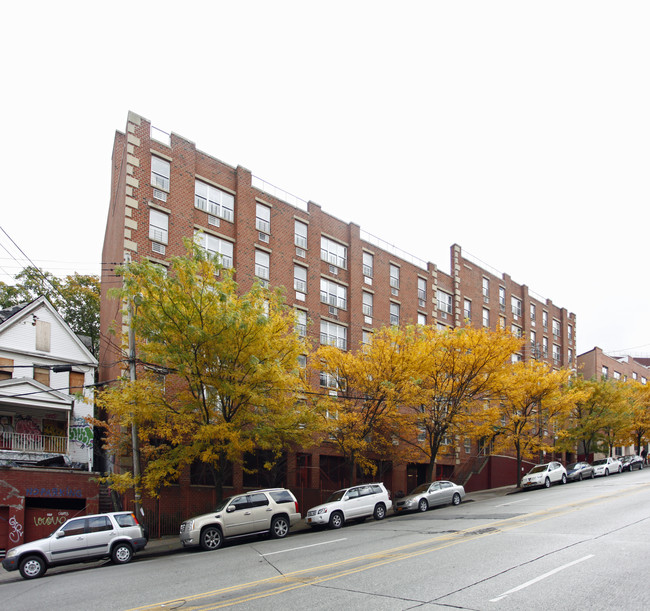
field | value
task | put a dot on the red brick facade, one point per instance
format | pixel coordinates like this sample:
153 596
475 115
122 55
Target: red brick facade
133 197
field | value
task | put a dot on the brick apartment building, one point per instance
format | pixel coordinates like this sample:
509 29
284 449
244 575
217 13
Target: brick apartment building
596 364
340 279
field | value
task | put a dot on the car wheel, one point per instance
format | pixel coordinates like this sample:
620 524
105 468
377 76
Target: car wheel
619 469
380 511
606 472
122 553
580 477
336 520
423 505
547 483
211 538
563 478
279 527
456 499
32 567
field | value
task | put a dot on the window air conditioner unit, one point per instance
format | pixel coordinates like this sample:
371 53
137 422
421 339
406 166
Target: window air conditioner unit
264 237
158 248
333 311
334 270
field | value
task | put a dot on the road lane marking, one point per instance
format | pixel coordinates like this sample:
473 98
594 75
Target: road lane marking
511 503
540 578
293 549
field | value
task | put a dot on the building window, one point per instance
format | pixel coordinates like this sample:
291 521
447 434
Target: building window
368 264
556 354
545 319
533 312
516 331
394 313
158 226
216 246
301 323
367 304
300 235
486 317
160 170
333 252
42 374
333 294
605 371
262 264
643 380
214 201
328 380
467 309
545 347
617 375
571 357
43 336
422 319
263 218
300 278
502 299
569 332
444 302
6 368
366 337
556 328
468 445
634 374
486 290
515 304
332 334
422 292
394 278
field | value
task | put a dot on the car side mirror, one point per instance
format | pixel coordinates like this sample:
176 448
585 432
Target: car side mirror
60 534
230 508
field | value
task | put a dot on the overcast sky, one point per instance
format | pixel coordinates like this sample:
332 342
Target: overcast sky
519 130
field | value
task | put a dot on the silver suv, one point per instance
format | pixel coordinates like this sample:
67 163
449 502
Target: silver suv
116 535
271 511
358 502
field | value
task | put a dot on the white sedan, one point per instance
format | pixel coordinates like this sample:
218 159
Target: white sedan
608 465
544 475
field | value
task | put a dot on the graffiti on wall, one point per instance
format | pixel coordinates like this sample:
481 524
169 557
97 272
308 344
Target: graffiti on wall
51 520
81 432
16 533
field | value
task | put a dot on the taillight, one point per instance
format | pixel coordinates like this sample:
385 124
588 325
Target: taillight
136 519
297 507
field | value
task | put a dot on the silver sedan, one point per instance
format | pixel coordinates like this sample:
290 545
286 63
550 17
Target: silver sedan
430 495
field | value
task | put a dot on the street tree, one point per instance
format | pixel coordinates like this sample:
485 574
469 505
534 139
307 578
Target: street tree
361 411
535 401
233 382
458 371
638 430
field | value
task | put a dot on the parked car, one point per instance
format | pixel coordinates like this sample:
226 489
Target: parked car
273 511
544 475
429 495
117 536
629 463
355 503
608 465
578 471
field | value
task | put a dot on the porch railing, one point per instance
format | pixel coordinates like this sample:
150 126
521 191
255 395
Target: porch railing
32 442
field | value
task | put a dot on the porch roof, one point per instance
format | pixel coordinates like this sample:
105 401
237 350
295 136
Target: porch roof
27 393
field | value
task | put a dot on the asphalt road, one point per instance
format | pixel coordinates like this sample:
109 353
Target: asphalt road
579 546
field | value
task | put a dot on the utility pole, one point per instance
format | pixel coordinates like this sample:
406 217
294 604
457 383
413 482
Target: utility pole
137 299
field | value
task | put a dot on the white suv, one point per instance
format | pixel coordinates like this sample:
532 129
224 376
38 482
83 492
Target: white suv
544 475
116 535
271 511
357 502
608 465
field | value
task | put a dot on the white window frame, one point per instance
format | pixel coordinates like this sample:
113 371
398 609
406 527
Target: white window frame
214 201
262 264
515 305
445 302
216 246
394 313
262 218
332 334
333 252
301 323
367 303
368 264
300 278
300 234
333 294
158 226
160 173
422 292
393 271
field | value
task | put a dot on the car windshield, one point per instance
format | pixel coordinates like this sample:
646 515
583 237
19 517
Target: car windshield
538 469
336 496
602 461
221 506
421 488
572 466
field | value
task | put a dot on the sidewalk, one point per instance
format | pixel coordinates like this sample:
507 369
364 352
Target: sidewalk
170 544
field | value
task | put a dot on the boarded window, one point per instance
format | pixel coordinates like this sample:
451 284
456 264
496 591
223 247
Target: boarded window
42 375
76 382
6 368
43 332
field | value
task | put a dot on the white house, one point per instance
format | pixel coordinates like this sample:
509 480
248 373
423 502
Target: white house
46 389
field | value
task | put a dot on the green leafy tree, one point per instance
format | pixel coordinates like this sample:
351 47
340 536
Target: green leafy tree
638 430
233 383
